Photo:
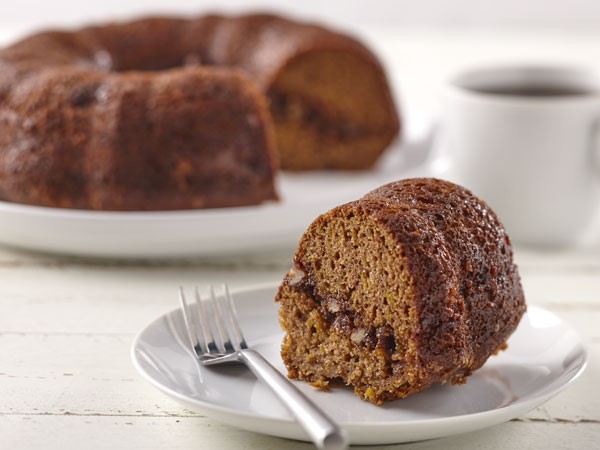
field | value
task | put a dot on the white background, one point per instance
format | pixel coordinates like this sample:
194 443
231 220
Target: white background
373 13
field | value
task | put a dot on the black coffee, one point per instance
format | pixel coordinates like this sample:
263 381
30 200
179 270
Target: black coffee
538 90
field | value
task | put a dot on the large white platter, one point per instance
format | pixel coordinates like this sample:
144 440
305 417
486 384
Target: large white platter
203 232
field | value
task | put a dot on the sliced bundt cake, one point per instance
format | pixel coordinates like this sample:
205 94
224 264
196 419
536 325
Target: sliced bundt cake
411 285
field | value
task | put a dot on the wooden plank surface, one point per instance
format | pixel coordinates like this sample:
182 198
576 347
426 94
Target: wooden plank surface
66 326
43 432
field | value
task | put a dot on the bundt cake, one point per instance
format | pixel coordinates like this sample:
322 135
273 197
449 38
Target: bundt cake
411 285
169 113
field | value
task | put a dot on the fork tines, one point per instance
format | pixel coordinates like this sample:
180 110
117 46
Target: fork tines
212 325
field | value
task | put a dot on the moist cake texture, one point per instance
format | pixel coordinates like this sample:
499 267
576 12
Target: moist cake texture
411 285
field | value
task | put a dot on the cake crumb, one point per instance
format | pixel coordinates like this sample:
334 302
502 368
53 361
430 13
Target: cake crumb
322 385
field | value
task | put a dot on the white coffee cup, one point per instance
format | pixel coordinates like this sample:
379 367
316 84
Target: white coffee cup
527 141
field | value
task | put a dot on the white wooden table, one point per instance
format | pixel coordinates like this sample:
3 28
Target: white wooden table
66 380
66 324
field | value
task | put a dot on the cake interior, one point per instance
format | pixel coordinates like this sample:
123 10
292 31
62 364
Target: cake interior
330 111
349 312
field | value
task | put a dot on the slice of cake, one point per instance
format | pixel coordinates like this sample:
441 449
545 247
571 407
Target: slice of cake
411 285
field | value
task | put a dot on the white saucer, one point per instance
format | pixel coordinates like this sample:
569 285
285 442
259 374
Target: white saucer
544 356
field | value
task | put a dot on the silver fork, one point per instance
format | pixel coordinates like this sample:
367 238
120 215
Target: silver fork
225 343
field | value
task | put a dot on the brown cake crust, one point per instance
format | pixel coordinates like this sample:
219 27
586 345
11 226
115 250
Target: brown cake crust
137 142
110 117
460 288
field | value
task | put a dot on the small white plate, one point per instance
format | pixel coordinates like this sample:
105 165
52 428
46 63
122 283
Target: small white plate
544 356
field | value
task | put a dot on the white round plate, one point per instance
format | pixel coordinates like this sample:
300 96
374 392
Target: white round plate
544 356
208 232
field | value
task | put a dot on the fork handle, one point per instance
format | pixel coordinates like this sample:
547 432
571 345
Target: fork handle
324 432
